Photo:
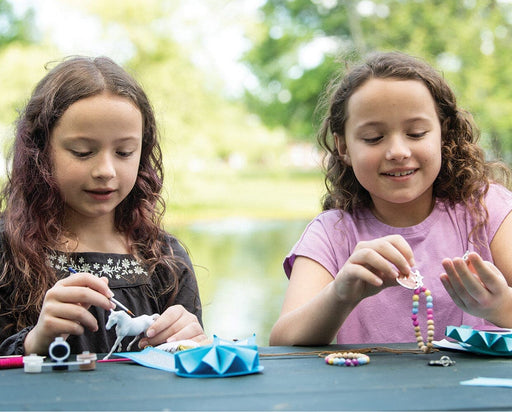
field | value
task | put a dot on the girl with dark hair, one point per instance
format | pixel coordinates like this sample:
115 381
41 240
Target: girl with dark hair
84 193
408 189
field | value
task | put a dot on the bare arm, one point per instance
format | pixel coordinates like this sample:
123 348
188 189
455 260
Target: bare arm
312 313
500 249
316 305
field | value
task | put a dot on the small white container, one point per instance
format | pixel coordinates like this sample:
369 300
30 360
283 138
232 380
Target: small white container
33 363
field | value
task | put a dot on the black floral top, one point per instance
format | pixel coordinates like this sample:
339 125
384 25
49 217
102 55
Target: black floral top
132 286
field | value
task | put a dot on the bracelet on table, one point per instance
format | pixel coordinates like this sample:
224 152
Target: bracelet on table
426 348
347 359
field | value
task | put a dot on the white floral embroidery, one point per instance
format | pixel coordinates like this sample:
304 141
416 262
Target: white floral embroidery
113 268
62 260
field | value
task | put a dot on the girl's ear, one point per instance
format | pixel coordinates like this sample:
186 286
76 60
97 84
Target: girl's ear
342 149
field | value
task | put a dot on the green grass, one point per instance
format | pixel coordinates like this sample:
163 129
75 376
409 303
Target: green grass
258 194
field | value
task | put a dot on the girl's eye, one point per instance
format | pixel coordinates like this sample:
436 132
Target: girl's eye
372 140
417 135
80 154
124 154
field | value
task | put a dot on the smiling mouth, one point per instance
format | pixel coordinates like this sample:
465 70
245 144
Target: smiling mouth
399 174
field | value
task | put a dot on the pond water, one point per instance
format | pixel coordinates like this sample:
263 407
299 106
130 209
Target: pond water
238 265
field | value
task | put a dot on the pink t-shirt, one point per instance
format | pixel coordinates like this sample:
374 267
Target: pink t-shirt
385 317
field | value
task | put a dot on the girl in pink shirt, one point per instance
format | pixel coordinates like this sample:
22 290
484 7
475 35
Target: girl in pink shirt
408 188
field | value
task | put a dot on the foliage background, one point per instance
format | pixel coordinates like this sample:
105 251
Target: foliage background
234 84
468 40
215 149
251 139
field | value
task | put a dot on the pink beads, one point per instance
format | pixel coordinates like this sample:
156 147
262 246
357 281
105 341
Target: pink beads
430 319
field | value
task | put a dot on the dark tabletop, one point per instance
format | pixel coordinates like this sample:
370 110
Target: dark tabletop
392 381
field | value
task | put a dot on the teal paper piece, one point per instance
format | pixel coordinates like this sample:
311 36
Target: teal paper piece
488 342
221 359
152 358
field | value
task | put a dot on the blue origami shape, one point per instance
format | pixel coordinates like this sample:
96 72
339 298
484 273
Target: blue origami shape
221 359
481 341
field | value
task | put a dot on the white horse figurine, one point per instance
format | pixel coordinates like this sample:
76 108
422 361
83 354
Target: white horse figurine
127 326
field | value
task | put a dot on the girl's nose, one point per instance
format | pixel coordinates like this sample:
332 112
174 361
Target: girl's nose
398 148
104 168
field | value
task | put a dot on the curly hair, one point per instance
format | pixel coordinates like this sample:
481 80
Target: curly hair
465 175
33 208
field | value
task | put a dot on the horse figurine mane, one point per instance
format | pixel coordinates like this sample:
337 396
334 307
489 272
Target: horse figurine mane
127 326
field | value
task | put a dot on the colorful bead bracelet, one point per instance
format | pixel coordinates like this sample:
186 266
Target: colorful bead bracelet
430 319
347 359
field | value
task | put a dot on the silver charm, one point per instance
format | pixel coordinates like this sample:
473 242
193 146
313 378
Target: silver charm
444 362
413 280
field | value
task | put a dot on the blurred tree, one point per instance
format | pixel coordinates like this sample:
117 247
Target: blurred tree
213 149
17 37
202 134
302 44
194 116
15 27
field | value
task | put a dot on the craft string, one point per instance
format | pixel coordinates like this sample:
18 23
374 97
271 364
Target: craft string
358 350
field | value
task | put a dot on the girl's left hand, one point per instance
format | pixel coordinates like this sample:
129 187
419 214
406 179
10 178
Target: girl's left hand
176 323
479 288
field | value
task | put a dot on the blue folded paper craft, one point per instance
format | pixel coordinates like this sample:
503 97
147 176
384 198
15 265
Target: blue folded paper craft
487 342
221 359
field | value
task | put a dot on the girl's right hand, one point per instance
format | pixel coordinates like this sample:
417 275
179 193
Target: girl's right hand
374 265
316 305
65 310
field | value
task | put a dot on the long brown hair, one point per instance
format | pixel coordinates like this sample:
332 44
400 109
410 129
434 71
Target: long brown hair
464 176
32 206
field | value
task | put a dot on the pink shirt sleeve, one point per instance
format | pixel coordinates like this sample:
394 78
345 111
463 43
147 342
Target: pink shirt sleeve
499 205
316 244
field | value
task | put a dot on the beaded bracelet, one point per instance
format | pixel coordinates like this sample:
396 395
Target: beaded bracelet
430 319
347 359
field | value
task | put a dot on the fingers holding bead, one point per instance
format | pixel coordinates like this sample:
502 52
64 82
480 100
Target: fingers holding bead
357 269
390 254
373 266
412 280
383 259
